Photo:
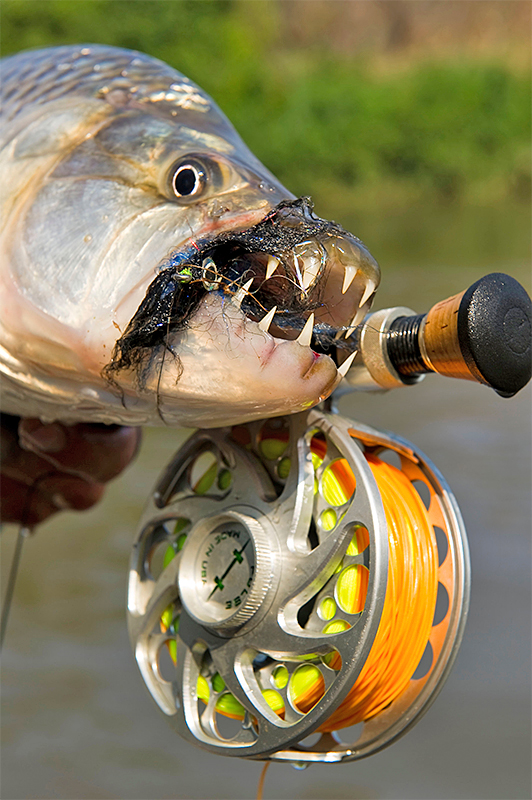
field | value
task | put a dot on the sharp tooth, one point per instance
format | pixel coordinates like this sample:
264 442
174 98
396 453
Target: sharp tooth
343 369
242 292
368 291
297 269
273 263
354 323
339 334
266 321
311 268
349 331
349 277
305 336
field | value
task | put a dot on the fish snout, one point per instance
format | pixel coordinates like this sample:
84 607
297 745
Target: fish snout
291 266
252 320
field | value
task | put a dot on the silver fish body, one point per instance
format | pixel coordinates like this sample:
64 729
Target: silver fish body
152 269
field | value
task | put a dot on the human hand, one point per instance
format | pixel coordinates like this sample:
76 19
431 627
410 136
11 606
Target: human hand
48 468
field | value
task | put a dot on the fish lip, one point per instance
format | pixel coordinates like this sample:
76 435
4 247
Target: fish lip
233 222
210 230
224 260
316 359
276 342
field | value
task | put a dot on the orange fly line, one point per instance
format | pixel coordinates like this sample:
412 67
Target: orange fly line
408 610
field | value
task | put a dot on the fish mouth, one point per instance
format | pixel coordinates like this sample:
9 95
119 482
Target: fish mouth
293 275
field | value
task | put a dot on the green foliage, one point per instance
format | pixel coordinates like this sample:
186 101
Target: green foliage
325 123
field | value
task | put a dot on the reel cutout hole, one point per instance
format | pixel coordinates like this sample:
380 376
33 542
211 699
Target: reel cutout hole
391 457
337 485
165 663
327 609
273 438
333 660
318 448
328 520
442 543
202 472
280 677
442 605
163 543
310 741
337 626
156 559
313 538
351 588
425 664
423 491
169 620
360 541
306 687
169 623
227 726
305 611
241 435
349 735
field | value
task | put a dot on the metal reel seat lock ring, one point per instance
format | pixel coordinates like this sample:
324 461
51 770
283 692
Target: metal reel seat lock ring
237 598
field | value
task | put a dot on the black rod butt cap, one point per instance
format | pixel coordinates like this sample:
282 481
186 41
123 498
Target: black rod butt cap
495 332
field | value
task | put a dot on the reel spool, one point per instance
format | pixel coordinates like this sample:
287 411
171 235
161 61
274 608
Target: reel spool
258 582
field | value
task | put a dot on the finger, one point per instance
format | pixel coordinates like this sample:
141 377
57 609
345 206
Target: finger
53 492
66 491
18 503
96 452
17 464
60 466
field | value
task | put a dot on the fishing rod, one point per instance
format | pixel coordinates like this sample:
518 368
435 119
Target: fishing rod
294 577
481 334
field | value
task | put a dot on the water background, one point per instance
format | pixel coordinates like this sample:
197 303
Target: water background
78 723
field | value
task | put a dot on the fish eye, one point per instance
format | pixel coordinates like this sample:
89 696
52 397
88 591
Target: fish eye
188 179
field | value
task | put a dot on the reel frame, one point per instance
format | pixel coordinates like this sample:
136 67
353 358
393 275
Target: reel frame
277 508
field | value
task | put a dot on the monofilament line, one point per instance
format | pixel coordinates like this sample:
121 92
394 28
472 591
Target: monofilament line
23 533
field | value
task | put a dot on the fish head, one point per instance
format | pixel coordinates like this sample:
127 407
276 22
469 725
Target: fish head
154 271
245 324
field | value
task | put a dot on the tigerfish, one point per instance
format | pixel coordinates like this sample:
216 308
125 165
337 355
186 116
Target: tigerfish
152 270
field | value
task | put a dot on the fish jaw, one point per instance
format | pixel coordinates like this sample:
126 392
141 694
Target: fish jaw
229 370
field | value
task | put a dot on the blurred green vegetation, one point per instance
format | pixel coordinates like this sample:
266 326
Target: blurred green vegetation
329 123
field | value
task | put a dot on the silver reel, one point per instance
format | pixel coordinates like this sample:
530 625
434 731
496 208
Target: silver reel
234 579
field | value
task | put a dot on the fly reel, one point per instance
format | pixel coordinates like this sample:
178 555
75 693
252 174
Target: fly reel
266 586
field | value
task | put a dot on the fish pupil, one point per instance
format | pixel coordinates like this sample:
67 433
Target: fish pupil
186 181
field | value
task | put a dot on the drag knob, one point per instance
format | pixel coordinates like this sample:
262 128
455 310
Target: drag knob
482 334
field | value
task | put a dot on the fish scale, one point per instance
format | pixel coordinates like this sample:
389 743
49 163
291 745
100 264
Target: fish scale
36 77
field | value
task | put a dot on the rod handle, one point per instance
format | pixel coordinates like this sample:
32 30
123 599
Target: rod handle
483 334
